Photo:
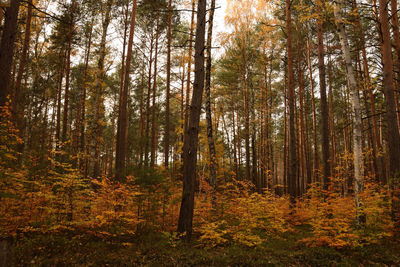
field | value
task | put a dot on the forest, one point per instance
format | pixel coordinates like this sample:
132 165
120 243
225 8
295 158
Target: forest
199 133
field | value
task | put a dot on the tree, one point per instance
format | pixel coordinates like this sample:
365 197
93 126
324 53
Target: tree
7 48
356 114
324 103
191 135
292 171
210 137
120 172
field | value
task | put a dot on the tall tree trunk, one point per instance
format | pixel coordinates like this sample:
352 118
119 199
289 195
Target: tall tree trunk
60 79
316 155
210 137
99 87
324 104
147 134
376 144
81 113
396 37
7 49
192 138
68 70
167 98
392 136
189 71
21 68
153 105
120 172
292 171
356 112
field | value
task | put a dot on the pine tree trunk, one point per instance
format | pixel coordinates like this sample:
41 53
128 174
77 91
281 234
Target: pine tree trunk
324 103
191 139
189 71
393 137
7 49
67 71
153 105
316 155
396 37
292 170
167 100
210 137
24 54
99 88
120 172
79 146
147 134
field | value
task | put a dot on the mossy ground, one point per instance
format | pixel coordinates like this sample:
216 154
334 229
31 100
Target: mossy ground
157 249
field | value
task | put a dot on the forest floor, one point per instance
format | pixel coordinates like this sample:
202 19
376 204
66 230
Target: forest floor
161 249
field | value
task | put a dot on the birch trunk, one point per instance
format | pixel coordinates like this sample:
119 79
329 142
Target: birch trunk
356 110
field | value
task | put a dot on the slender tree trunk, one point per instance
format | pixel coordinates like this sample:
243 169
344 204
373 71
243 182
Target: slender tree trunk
285 135
189 71
356 112
153 108
376 144
79 146
393 137
324 103
396 37
7 49
331 119
120 172
60 79
292 171
167 100
316 155
210 137
22 62
67 71
147 137
191 139
99 87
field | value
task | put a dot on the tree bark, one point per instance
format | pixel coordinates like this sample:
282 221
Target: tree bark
167 100
153 105
67 71
210 137
316 155
324 104
7 49
16 102
120 172
392 133
191 139
292 171
99 87
356 115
